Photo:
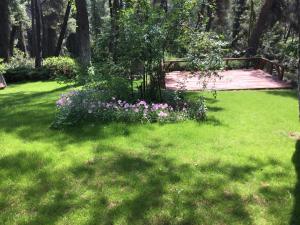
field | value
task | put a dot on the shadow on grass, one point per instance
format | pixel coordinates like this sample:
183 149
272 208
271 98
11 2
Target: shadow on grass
27 182
30 114
127 187
159 191
296 211
284 93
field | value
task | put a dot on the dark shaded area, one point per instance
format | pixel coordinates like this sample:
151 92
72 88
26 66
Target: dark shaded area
34 167
284 93
146 185
34 112
295 219
29 114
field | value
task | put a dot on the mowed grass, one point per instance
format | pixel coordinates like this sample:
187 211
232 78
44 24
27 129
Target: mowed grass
242 166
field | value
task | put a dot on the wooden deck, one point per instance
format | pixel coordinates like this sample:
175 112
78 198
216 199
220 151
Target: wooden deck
229 80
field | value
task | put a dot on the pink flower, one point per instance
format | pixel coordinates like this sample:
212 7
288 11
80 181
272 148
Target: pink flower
164 106
162 114
60 102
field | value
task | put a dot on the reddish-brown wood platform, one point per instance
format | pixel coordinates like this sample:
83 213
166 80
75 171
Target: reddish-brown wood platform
229 80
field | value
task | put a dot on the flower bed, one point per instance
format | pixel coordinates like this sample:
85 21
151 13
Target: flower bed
92 105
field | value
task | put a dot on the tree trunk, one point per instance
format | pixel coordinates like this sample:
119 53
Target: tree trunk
21 39
261 25
164 5
83 33
114 14
252 18
96 20
240 6
38 19
221 22
63 29
209 11
4 30
13 34
298 10
33 32
49 39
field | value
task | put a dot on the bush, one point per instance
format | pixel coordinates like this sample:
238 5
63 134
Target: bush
96 105
26 74
21 68
2 67
205 51
20 60
64 69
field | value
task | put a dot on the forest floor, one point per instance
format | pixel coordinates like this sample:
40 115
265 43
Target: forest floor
241 166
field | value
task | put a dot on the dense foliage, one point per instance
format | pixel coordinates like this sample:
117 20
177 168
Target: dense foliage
62 68
81 105
20 68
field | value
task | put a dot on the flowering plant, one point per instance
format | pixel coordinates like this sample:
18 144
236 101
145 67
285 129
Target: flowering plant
91 105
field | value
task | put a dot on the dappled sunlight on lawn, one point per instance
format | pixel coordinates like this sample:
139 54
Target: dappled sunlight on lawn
239 167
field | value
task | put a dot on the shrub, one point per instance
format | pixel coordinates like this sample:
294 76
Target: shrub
25 74
64 69
21 68
20 60
95 105
2 67
108 76
205 51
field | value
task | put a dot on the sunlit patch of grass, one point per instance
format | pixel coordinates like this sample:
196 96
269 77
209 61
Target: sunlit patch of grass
238 167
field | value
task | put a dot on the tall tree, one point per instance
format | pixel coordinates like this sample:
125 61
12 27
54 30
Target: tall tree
252 18
19 10
36 20
63 29
96 21
13 34
21 39
115 7
269 14
4 29
83 32
239 9
221 21
298 17
38 34
53 12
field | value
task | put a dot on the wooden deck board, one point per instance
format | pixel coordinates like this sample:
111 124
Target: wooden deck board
229 80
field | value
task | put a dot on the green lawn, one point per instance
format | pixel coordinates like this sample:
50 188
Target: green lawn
239 167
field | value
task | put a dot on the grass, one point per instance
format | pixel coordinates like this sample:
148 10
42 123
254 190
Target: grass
242 166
